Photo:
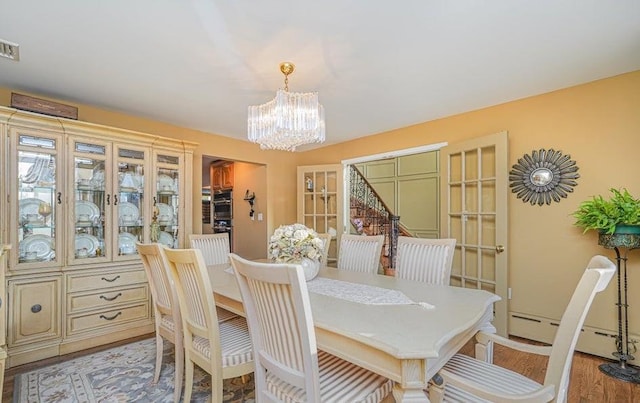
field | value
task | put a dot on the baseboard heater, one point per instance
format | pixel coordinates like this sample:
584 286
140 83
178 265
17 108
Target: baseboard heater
592 340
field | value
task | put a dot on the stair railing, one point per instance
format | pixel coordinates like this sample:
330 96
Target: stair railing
369 214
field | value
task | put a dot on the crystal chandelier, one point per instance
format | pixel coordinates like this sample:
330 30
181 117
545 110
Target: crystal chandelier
289 120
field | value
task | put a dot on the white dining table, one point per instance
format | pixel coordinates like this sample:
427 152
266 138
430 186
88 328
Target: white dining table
407 343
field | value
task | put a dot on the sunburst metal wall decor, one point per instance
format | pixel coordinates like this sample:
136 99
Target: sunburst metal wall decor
543 176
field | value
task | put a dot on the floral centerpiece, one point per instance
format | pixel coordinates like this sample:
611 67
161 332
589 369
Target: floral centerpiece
291 243
298 244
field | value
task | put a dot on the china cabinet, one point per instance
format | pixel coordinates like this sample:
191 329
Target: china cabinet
320 202
79 197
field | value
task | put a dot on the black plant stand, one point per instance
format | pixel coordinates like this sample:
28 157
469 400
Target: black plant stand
621 369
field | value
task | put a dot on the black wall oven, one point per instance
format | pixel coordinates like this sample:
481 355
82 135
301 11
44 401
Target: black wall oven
223 205
223 213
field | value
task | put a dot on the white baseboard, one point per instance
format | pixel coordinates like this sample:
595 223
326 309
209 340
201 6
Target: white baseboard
600 342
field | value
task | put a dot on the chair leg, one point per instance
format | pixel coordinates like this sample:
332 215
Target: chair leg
188 378
179 374
484 352
216 389
435 392
159 351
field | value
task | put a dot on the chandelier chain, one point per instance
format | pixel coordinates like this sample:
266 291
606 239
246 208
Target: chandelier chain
287 68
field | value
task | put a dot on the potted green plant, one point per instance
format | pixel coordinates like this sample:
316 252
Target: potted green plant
618 214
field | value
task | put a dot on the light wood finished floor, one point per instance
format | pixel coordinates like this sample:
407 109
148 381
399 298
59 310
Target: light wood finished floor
588 384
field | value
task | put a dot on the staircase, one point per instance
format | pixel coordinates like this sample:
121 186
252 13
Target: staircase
369 215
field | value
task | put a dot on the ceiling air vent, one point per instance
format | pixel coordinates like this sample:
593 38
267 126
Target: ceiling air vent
9 50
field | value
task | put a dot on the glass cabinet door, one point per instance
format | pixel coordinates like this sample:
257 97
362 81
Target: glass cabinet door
320 202
320 210
166 212
90 205
132 216
38 208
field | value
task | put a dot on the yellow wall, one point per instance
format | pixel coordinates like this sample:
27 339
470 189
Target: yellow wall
250 239
598 124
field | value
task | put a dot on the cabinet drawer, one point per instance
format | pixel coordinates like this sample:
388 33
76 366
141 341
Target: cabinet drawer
85 282
107 318
106 298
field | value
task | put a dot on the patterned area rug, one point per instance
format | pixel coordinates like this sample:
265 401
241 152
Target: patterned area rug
121 374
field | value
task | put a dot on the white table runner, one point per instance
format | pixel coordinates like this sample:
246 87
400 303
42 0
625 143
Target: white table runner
361 293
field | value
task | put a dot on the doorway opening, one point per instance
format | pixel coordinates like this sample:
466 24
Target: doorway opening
226 207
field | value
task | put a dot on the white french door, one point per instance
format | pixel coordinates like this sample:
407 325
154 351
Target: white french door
474 193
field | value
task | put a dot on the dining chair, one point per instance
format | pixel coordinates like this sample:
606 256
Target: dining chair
222 348
468 379
360 252
214 247
289 367
326 239
427 260
168 322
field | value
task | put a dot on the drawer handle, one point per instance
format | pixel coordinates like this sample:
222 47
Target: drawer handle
112 298
112 280
111 318
36 308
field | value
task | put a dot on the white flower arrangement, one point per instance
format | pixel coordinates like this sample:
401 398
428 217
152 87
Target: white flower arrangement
291 243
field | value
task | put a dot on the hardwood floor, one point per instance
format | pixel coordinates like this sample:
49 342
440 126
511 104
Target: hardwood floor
588 384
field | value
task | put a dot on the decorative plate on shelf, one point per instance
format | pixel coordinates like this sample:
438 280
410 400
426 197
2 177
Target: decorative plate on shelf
88 242
127 243
29 206
128 213
165 213
88 209
41 244
165 184
166 239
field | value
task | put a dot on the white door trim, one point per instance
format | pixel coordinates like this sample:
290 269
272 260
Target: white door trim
394 154
376 157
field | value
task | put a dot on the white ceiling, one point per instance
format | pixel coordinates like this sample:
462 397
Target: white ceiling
377 64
